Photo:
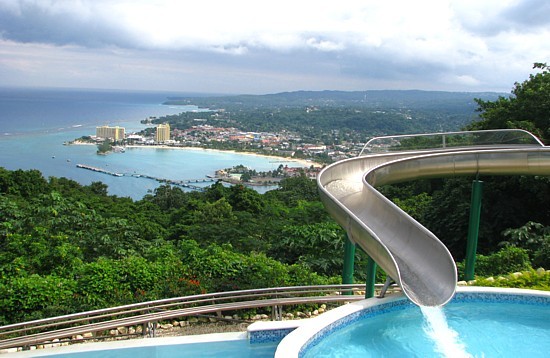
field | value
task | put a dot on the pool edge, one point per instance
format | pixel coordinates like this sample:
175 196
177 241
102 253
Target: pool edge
296 343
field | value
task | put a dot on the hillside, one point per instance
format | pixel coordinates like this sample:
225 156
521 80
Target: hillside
413 99
355 115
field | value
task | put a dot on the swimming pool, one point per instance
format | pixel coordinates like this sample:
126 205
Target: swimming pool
227 345
479 322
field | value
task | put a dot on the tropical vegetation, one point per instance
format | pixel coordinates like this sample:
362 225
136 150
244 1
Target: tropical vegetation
65 247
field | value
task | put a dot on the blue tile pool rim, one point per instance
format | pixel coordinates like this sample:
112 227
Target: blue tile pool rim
297 343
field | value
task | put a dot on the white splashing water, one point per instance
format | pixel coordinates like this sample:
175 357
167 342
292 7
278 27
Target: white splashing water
446 339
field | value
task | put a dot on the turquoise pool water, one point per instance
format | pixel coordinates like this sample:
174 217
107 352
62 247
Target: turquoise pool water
482 329
225 349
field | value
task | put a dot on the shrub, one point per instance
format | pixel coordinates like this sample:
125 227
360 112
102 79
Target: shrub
508 259
221 269
531 279
535 238
33 297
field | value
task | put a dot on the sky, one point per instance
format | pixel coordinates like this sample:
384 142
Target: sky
268 46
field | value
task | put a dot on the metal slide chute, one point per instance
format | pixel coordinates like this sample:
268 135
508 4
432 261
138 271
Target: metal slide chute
408 252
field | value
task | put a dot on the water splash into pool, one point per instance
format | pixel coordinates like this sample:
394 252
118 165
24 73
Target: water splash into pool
480 322
446 340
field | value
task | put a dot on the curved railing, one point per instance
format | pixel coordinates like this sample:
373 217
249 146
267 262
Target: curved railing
447 140
65 327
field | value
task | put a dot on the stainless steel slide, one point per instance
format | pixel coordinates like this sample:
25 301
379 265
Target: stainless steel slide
407 251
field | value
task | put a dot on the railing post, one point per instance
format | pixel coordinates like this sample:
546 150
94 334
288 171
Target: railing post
349 261
473 229
371 277
276 313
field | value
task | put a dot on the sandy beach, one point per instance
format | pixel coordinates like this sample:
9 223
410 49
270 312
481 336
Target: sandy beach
303 162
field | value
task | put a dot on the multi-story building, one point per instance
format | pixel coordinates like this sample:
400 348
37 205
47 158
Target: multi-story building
106 132
163 133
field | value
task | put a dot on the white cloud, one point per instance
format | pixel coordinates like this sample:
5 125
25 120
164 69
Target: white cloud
468 44
324 45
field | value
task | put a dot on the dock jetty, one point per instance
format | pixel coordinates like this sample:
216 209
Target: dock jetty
99 170
183 183
187 183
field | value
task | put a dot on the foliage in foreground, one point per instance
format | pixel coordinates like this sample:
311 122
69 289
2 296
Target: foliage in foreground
532 279
66 248
508 267
505 261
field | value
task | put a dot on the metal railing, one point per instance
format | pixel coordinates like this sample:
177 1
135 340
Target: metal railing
427 141
147 314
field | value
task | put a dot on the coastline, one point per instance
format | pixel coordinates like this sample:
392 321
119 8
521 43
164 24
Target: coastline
303 162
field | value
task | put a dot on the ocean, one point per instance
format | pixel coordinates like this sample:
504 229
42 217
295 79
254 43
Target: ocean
34 124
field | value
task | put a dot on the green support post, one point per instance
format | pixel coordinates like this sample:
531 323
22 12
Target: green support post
371 278
473 229
349 261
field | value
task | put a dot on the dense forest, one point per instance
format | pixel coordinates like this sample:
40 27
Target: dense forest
67 248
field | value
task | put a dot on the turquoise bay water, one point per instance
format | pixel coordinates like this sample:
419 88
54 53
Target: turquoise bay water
34 124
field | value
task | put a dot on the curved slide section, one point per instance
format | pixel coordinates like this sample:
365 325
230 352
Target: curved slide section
407 251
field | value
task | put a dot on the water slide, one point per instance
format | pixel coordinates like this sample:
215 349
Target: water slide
408 252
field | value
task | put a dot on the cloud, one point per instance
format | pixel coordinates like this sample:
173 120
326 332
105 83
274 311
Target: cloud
61 23
261 46
494 17
530 14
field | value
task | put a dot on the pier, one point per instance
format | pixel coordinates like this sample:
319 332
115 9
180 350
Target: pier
186 183
99 170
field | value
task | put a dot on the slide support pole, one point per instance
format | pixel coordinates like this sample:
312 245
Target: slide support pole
473 229
371 278
349 261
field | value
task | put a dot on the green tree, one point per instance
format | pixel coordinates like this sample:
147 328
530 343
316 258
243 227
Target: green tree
216 191
104 147
219 268
535 239
320 247
98 188
292 190
168 197
527 108
39 253
242 198
32 297
24 183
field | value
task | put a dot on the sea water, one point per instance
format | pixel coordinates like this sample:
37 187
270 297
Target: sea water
34 124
